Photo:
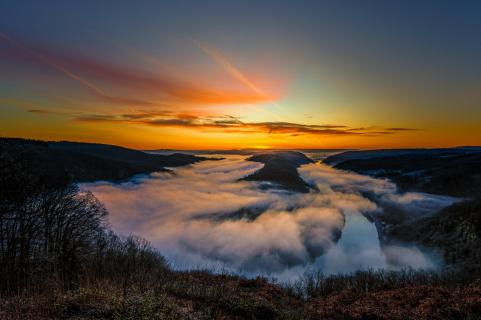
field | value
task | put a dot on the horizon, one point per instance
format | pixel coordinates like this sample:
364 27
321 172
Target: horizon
247 148
288 75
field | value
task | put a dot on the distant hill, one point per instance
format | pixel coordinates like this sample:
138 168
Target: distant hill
454 171
384 153
280 167
246 151
83 162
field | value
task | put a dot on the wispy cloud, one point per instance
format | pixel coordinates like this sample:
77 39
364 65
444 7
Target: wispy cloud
402 129
159 87
162 100
229 124
19 50
221 60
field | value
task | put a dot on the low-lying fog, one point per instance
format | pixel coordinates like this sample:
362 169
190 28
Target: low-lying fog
201 216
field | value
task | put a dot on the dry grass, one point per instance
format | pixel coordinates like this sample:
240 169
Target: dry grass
412 302
201 295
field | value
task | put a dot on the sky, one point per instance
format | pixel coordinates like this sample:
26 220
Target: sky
242 74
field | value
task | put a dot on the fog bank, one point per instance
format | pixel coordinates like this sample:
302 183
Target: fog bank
201 216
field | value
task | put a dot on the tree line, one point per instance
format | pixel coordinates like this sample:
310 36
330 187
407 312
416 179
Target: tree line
54 236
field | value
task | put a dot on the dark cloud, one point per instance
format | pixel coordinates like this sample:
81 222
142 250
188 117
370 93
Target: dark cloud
402 129
231 124
96 118
38 111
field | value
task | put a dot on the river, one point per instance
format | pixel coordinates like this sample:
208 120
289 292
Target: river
202 216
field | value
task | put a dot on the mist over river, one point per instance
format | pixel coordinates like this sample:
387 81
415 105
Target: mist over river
203 216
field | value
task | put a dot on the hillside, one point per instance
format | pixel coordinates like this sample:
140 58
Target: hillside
456 230
455 172
166 294
280 168
89 161
59 259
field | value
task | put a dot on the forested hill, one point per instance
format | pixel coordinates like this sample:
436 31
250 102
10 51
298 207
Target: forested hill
456 230
452 171
88 161
280 167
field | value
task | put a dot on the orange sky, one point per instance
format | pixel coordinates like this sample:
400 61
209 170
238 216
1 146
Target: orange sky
204 79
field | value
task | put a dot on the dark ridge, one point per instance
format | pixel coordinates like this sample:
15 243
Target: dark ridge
82 162
455 172
456 230
384 153
280 168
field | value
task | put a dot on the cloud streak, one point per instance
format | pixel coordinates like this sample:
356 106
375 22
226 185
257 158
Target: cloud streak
19 51
159 87
221 60
229 124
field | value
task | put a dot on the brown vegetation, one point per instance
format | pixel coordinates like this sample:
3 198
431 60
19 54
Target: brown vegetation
60 260
200 295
